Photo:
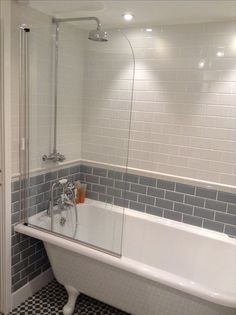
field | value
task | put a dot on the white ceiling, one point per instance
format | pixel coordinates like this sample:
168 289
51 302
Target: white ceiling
146 12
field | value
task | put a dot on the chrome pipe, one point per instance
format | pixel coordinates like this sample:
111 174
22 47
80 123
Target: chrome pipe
89 18
55 89
24 119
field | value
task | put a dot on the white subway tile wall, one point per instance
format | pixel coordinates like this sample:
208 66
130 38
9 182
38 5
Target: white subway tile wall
70 87
40 74
109 69
184 110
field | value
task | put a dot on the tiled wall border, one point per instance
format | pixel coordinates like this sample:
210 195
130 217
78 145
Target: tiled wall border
207 208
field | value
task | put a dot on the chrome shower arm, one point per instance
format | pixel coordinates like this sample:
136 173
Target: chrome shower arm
89 18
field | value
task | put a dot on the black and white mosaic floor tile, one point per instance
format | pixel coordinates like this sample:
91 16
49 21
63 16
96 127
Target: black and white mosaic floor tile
51 299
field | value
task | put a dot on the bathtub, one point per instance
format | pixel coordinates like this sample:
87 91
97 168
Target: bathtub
166 267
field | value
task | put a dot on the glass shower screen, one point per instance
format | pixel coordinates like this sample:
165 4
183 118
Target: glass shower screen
80 98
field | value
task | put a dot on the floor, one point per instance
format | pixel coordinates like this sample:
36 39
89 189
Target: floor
52 298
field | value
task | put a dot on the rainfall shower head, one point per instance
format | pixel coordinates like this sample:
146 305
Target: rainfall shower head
97 35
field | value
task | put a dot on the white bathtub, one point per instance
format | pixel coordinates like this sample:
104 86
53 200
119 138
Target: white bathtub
166 267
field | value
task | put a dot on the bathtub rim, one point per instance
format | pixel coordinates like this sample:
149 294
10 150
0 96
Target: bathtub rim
153 218
132 266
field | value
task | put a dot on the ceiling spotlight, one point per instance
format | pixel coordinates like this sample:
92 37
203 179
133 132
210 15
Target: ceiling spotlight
148 29
201 64
128 16
220 53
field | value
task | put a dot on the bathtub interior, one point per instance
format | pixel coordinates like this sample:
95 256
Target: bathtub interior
98 224
196 257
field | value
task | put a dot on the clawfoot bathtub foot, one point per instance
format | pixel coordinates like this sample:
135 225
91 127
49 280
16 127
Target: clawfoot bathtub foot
68 309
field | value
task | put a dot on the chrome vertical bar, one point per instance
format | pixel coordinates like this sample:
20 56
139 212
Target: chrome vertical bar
56 87
24 121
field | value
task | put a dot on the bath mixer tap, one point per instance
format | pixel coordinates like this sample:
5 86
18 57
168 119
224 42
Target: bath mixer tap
65 201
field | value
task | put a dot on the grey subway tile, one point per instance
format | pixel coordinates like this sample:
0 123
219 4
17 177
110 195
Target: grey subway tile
63 173
15 196
170 195
27 252
114 192
146 199
86 169
42 206
154 210
185 189
165 184
216 205
15 278
189 219
130 195
92 195
137 206
99 188
227 197
204 213
130 178
43 188
15 218
79 176
15 239
19 284
166 204
100 171
195 201
74 169
138 188
121 202
41 261
231 209
212 225
147 181
230 230
206 193
115 175
225 218
183 208
34 274
15 207
15 259
25 272
122 185
36 180
106 181
172 215
105 198
33 191
156 192
50 176
20 266
15 186
46 266
92 179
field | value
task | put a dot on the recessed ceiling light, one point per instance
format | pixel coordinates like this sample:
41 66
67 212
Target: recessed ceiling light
128 16
201 64
148 29
220 53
